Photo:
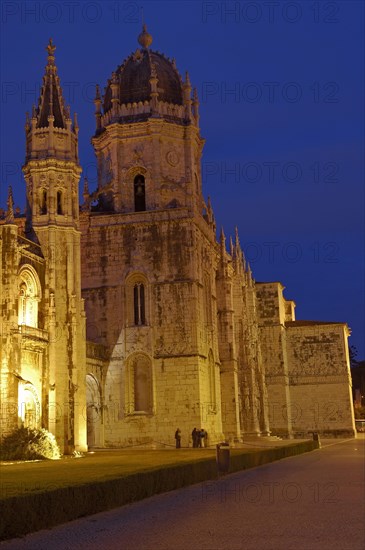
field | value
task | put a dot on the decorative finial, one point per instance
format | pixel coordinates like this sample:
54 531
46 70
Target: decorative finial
145 39
97 92
10 204
51 49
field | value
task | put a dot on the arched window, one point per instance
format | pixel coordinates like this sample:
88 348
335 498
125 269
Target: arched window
139 304
28 298
136 300
59 203
139 193
43 208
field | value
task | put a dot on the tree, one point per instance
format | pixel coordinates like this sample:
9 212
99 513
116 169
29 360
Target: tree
353 354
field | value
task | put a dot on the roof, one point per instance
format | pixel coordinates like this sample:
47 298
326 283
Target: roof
51 100
133 78
311 323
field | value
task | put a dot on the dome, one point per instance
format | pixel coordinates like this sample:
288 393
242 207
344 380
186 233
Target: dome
133 78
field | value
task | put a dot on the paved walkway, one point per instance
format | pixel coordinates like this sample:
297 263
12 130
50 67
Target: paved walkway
309 502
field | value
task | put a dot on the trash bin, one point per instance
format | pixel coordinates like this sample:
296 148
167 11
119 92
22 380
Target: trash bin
223 457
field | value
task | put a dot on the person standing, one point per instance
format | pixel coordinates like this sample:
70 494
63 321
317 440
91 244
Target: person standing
194 435
178 438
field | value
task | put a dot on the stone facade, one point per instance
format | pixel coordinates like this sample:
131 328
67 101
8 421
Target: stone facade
126 319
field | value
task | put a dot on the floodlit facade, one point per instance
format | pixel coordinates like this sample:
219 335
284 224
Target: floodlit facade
124 318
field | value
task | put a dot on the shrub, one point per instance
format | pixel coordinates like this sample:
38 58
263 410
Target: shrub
360 413
29 444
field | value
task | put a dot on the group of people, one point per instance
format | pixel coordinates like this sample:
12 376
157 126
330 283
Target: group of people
199 438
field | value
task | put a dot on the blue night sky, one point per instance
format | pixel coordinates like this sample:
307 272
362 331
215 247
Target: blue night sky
281 102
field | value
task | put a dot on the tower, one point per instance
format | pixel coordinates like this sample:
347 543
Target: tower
52 173
149 256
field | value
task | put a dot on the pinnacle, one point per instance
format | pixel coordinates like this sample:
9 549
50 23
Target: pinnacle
10 204
51 101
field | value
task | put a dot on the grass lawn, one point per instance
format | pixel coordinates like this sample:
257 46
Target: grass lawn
19 478
56 491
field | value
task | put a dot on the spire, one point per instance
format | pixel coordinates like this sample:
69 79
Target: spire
97 93
187 96
237 239
51 104
231 246
238 251
145 39
222 237
196 106
51 120
97 103
249 275
76 124
86 195
9 218
243 260
209 211
86 187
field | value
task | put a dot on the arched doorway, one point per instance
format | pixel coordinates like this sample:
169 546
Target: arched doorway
94 411
28 406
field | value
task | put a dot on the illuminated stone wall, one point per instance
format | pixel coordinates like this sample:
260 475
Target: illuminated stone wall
170 255
320 379
307 369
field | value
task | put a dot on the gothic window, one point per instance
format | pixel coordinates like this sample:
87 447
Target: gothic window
28 298
139 193
139 304
43 209
59 203
136 300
